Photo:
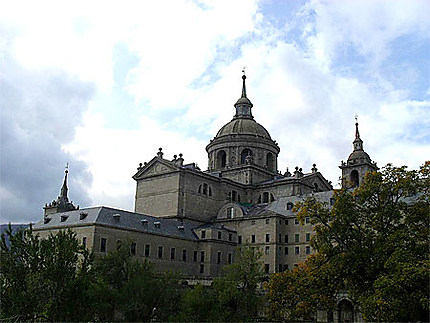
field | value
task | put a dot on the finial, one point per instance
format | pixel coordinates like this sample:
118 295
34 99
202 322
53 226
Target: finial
160 153
243 86
66 168
357 134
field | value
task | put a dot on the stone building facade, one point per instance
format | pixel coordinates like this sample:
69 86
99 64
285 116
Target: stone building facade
191 221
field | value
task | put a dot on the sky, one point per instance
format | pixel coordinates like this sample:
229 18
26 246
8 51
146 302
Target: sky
101 85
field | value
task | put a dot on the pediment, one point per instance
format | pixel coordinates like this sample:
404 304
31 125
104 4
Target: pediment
156 166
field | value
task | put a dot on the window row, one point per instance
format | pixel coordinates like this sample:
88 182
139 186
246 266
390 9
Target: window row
281 238
219 235
266 197
286 250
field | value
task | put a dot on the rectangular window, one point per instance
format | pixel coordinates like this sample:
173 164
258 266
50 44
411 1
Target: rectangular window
280 268
147 250
239 239
160 251
286 238
266 268
286 222
184 255
133 248
202 269
203 234
219 235
230 237
172 253
297 250
286 250
297 237
280 237
218 260
267 237
308 250
84 241
195 256
229 258
285 267
307 220
267 250
202 256
103 243
308 237
296 222
253 238
253 222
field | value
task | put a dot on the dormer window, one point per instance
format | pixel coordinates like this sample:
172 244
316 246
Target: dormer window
63 218
46 220
82 215
290 206
117 217
144 221
157 224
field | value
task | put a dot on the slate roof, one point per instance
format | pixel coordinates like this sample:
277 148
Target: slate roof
120 219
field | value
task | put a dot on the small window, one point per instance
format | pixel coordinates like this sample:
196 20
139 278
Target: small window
84 241
253 238
266 197
103 243
296 265
297 250
253 222
230 237
286 250
267 237
202 256
297 237
172 253
200 189
285 267
205 189
286 238
331 201
218 260
267 250
239 239
296 222
195 256
219 235
266 268
160 252
230 213
308 250
308 237
289 206
286 222
210 191
147 250
184 255
203 234
267 221
280 237
63 218
133 248
307 220
229 258
202 269
280 268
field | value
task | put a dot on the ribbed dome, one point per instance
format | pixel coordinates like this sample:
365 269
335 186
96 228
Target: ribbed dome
359 155
243 126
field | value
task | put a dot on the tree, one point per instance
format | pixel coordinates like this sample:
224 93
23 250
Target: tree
129 289
233 297
374 241
44 278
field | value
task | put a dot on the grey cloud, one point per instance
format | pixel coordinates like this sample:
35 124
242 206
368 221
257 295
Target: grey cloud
39 112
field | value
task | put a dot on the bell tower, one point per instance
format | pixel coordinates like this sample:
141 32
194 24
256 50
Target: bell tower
358 163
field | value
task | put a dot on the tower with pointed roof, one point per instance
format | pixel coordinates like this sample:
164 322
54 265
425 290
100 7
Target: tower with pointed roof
62 203
358 163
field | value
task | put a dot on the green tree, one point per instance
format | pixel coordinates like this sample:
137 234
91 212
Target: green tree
131 290
374 241
44 278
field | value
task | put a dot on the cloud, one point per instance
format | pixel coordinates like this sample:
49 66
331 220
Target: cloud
39 111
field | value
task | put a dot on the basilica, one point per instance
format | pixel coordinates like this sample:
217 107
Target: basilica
189 220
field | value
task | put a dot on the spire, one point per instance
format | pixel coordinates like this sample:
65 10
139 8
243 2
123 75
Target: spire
63 193
358 143
243 105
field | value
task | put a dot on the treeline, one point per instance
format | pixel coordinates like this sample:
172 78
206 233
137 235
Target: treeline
57 279
372 244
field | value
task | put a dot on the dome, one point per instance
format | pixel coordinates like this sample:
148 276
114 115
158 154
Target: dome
359 155
243 126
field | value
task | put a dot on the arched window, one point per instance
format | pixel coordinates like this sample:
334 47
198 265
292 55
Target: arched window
354 178
289 206
266 197
245 152
272 198
221 159
270 162
259 200
200 189
210 191
205 189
